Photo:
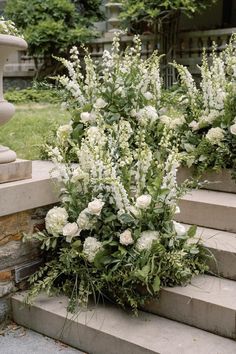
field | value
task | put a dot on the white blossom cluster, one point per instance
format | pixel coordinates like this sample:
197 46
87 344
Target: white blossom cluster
9 28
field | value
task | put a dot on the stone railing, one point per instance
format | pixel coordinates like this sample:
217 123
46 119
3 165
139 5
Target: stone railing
190 45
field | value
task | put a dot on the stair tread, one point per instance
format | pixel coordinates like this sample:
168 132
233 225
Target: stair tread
210 289
117 331
216 239
211 197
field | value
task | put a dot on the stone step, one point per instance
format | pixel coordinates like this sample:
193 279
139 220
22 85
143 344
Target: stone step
211 209
222 245
106 329
218 181
208 303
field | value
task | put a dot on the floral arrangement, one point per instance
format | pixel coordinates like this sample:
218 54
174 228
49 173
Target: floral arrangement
207 131
8 27
113 235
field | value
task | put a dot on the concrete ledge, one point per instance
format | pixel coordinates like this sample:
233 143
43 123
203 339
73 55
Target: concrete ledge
40 190
221 181
109 330
15 171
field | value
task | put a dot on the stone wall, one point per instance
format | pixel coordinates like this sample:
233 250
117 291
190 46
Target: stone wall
18 259
23 206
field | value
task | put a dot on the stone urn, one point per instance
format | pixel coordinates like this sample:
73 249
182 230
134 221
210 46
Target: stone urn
8 44
113 10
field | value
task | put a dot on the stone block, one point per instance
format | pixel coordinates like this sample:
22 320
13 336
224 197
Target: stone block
13 226
6 288
15 252
4 309
15 171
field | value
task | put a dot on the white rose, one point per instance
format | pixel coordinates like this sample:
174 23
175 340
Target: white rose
233 129
64 131
143 201
91 247
148 95
146 239
215 135
95 207
55 220
179 228
85 117
83 220
70 230
194 125
100 103
126 238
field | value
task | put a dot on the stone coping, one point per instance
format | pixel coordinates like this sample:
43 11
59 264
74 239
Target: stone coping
38 191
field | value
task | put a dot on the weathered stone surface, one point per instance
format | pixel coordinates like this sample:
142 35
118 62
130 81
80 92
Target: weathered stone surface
14 171
13 226
4 309
16 252
6 288
5 275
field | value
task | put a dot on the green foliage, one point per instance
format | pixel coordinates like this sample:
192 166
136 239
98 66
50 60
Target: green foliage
36 95
150 11
51 27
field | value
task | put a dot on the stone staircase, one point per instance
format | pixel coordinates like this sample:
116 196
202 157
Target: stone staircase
179 322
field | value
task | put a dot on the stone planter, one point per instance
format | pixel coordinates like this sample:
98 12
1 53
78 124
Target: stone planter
221 181
113 11
8 44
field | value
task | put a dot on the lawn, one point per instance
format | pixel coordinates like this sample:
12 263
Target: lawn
29 127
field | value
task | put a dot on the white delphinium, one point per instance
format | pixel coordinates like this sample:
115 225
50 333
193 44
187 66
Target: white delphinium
55 220
215 135
70 230
91 247
126 238
179 228
169 180
146 239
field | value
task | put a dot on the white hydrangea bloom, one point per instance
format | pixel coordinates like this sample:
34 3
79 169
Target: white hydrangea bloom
146 239
126 238
91 247
215 135
55 220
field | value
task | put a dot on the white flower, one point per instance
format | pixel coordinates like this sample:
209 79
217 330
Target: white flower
177 209
91 247
100 103
179 228
83 220
70 230
85 117
55 220
233 129
146 114
95 207
143 201
64 131
148 95
146 239
133 210
194 125
126 238
215 135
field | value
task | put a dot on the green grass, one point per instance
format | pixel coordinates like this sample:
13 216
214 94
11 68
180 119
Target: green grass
29 127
